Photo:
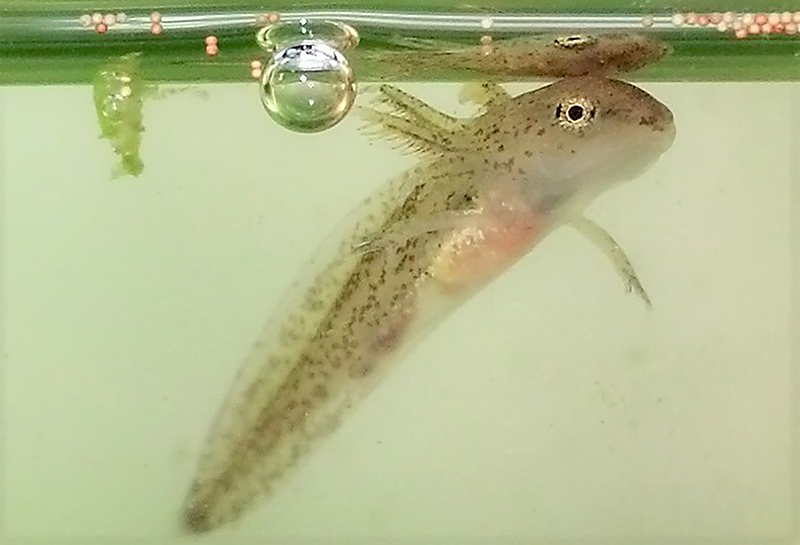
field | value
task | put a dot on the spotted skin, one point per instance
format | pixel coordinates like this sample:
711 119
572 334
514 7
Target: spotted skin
559 56
435 236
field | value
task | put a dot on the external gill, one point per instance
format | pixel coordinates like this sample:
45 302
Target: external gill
411 123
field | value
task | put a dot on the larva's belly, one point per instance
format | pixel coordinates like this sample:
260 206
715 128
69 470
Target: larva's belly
475 255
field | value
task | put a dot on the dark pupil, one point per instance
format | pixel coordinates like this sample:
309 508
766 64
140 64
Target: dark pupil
575 113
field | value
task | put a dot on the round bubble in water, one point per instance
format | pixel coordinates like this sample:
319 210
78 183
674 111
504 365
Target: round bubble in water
308 87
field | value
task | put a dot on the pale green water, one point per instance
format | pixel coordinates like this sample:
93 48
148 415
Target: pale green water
552 406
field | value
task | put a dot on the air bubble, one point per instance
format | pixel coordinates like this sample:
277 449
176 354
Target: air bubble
307 84
308 87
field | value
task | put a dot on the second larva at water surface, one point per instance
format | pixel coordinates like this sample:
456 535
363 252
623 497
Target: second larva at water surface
526 56
485 192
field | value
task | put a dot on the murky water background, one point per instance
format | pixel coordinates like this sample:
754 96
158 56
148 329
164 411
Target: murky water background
552 406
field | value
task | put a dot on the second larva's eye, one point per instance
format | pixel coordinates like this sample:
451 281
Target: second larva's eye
575 41
575 113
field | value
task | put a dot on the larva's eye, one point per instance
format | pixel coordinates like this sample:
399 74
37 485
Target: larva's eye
575 113
575 41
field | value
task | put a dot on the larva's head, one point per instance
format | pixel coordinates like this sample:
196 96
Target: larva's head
579 136
599 54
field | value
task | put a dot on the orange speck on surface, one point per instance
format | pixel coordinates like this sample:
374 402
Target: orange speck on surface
211 40
273 17
755 28
761 18
155 17
212 50
791 28
156 28
101 28
255 73
741 33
